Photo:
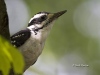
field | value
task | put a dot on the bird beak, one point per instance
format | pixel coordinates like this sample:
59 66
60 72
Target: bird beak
53 16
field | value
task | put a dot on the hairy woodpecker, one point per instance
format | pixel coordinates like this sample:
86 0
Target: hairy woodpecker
31 40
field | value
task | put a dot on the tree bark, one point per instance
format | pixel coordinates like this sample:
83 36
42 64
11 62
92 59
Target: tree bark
4 27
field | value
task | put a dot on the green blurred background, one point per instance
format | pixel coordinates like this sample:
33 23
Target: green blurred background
73 46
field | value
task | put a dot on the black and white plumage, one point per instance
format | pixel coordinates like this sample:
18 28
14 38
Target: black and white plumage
31 40
20 37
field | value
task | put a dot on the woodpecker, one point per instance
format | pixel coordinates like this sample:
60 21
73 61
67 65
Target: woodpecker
31 40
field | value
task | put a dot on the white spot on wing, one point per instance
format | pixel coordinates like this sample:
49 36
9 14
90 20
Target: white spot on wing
14 41
14 45
22 34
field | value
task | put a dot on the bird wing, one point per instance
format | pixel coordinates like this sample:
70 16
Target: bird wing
20 37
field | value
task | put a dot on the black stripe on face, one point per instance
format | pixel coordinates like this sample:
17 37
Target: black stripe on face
38 20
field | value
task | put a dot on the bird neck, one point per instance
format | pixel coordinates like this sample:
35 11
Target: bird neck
41 34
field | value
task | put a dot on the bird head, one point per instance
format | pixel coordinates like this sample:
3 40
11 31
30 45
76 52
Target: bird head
42 21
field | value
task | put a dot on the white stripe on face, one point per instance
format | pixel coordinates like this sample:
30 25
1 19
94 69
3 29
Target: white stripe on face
36 16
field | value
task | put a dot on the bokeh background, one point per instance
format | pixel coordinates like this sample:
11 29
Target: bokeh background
73 46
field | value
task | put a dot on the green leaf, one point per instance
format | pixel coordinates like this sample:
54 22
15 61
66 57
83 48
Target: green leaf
8 55
17 60
4 62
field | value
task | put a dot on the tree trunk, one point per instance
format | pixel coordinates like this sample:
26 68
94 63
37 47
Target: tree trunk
4 25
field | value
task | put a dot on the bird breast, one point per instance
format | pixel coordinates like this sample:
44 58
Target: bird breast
31 50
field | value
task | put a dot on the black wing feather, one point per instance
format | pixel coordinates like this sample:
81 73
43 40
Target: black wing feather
20 37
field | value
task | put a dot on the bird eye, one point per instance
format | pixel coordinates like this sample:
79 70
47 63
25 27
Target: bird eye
34 20
43 17
38 20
